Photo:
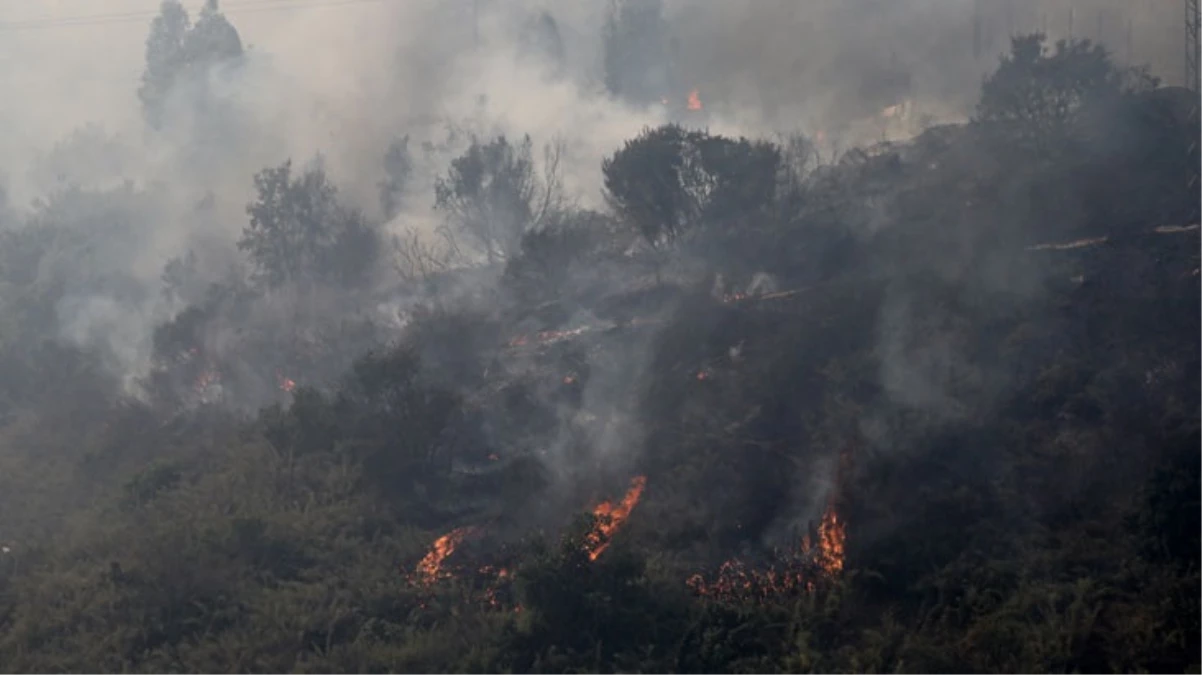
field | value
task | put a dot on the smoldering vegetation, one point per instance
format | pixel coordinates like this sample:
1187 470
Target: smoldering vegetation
623 383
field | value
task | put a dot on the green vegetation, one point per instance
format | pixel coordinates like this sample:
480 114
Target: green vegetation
1009 434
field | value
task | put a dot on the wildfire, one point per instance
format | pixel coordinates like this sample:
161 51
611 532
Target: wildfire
831 537
611 517
286 383
694 100
207 379
734 582
795 573
430 567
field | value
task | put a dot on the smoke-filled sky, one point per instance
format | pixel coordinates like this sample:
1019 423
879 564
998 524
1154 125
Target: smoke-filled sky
337 75
343 78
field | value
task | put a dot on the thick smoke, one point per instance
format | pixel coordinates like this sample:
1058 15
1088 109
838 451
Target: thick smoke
333 83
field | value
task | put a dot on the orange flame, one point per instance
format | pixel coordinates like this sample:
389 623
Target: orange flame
694 100
610 518
832 535
430 567
734 582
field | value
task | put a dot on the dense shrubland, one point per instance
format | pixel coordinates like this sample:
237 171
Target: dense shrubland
1008 435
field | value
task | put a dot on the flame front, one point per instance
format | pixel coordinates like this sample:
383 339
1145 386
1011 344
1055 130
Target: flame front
610 518
831 537
430 567
795 573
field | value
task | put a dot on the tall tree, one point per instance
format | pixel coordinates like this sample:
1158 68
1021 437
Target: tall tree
492 194
541 39
177 50
636 51
398 167
298 231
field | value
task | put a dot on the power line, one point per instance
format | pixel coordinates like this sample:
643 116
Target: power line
246 7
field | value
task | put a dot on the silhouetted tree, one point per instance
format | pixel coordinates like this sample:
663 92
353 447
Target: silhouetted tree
1036 94
298 231
669 180
636 58
492 194
541 39
398 167
176 51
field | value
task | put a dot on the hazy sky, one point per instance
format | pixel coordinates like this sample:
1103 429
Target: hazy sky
344 72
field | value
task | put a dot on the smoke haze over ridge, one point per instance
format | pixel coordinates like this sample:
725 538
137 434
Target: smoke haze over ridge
336 76
340 79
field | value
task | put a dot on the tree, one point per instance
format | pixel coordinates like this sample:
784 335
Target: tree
176 50
636 51
299 232
540 39
398 167
1037 95
669 180
492 194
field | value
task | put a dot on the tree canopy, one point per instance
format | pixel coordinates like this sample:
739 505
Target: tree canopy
180 52
299 233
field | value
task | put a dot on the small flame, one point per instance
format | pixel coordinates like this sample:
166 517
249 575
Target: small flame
734 582
831 537
286 383
610 518
430 567
703 375
694 100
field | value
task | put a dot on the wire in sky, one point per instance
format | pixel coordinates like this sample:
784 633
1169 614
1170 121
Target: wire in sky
232 9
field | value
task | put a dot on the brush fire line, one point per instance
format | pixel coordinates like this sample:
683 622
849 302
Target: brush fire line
735 582
610 518
429 570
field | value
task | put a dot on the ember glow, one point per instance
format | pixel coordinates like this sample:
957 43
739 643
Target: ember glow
735 582
611 517
429 570
794 573
207 379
